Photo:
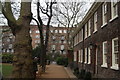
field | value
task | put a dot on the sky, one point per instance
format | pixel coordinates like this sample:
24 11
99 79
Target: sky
34 11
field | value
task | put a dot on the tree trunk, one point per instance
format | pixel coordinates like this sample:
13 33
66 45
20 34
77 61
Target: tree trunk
23 55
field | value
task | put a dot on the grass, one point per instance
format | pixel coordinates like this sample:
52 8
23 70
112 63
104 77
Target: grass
7 70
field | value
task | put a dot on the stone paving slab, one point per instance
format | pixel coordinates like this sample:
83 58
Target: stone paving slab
54 71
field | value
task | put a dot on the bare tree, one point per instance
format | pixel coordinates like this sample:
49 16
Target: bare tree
69 14
44 40
22 60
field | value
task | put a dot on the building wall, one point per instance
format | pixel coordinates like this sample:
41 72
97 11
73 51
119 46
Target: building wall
7 40
35 35
59 33
105 33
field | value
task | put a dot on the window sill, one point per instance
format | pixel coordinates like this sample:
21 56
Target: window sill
104 65
89 63
95 31
85 62
113 18
114 67
89 35
103 25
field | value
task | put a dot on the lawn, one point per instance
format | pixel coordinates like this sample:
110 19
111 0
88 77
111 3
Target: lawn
7 70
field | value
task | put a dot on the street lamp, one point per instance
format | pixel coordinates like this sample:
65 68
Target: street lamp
91 45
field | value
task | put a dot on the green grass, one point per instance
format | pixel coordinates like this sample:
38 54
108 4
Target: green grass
7 70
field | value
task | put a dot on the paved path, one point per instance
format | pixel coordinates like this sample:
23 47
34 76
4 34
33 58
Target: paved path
55 71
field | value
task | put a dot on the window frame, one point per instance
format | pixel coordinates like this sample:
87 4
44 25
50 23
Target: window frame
95 22
89 55
114 7
114 65
104 54
104 14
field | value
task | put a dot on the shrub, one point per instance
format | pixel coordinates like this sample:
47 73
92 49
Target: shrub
81 74
76 71
62 61
7 58
88 76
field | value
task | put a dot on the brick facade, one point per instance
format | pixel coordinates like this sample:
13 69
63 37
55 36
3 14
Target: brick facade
105 32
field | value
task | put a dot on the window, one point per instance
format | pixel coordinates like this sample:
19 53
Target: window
104 13
85 55
37 41
51 31
10 46
65 31
53 37
89 56
4 50
95 22
62 47
104 54
75 56
53 47
8 40
115 54
30 31
64 42
79 56
89 27
37 31
81 52
60 31
37 36
56 31
114 11
62 37
86 31
8 50
12 50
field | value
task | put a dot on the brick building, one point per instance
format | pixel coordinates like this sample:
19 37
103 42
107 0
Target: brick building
97 40
57 39
7 40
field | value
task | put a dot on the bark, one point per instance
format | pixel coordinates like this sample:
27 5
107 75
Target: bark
40 26
23 57
22 60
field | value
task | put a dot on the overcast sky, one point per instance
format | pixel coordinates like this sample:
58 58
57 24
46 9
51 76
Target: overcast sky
34 11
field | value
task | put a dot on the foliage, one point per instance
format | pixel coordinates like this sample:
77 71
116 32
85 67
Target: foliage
81 74
62 61
7 58
36 51
76 71
7 70
88 76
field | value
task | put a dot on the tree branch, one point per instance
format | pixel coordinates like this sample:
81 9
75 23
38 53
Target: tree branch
7 12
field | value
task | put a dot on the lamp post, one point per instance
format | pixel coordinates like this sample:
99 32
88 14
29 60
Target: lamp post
91 45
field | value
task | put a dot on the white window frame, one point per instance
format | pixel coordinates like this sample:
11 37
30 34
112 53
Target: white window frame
75 56
60 31
37 31
104 53
81 52
65 31
56 31
114 65
85 55
95 22
114 6
104 14
89 27
86 30
89 56
79 57
62 47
